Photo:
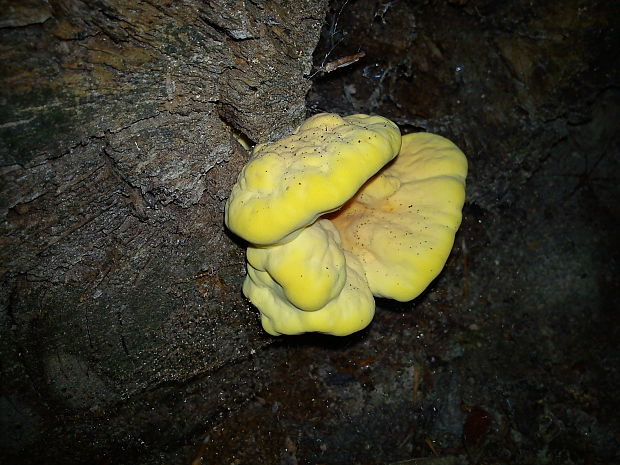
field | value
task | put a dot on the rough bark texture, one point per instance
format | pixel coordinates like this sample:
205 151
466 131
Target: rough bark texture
124 336
511 356
118 147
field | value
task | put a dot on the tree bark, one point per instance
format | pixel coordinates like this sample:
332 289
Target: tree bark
119 135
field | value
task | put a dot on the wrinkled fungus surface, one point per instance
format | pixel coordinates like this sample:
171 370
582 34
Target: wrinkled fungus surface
387 208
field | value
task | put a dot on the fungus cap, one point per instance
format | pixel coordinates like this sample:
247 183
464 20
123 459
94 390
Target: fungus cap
288 184
402 223
348 304
310 269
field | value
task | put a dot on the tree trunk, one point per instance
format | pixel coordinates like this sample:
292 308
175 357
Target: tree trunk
120 304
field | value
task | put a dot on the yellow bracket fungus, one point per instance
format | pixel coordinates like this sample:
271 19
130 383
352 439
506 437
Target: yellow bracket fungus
309 284
338 212
401 224
289 183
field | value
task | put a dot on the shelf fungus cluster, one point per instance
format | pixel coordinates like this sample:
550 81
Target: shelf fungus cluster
341 211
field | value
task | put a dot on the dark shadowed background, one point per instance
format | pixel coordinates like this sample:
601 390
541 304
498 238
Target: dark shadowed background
124 335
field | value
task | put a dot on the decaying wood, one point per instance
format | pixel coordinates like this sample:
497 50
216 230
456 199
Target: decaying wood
117 153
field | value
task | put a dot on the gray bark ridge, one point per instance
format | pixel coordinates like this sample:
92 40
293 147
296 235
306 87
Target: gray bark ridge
118 147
